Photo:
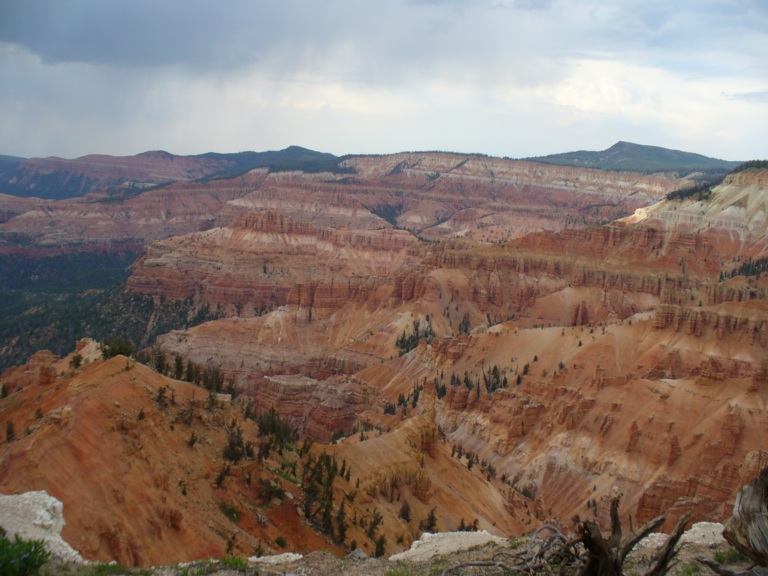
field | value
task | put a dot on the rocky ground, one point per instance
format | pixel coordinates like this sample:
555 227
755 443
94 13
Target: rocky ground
36 515
323 563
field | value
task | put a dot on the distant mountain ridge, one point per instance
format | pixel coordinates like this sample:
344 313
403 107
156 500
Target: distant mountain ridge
59 178
639 158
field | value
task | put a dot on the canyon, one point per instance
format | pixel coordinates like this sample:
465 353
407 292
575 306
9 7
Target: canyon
503 342
433 195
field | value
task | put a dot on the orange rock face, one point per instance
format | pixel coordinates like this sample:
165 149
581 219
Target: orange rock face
270 261
133 488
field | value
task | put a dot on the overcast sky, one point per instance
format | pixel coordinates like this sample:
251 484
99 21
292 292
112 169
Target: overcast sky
504 77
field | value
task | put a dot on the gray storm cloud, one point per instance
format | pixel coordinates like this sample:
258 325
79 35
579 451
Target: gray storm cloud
504 77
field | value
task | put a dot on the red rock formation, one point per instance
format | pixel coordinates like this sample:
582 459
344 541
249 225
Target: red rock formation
627 363
134 490
475 201
40 370
316 409
272 260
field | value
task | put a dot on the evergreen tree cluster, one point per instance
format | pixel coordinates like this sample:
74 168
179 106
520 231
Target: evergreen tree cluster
429 524
748 268
486 468
699 191
115 346
317 481
236 447
464 527
421 331
404 401
208 376
751 164
494 380
279 432
440 389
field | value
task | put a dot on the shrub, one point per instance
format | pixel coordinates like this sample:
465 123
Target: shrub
730 556
222 475
76 361
230 511
269 490
20 557
280 542
235 563
400 571
110 570
691 568
10 431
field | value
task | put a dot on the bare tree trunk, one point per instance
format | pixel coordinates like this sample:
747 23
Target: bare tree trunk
747 529
605 557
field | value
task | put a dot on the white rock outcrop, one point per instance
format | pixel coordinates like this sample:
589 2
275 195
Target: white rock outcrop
441 543
37 516
708 534
285 558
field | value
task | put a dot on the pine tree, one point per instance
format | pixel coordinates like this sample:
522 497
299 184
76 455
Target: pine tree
429 524
189 375
381 546
178 368
327 522
405 511
373 526
341 523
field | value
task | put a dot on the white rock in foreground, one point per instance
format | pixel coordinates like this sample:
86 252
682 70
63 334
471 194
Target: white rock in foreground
37 516
704 534
276 559
441 543
708 534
